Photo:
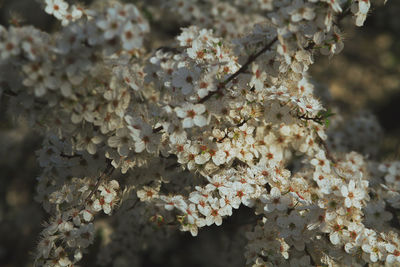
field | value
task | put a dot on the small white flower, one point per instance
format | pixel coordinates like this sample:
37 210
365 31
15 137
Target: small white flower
274 200
185 79
174 202
213 213
10 46
122 141
147 193
353 196
299 11
258 78
187 36
291 225
191 115
62 257
111 25
57 8
321 162
130 38
87 215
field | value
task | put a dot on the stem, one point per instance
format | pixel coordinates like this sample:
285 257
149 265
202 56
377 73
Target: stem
13 94
156 130
70 156
108 171
9 93
242 69
327 150
317 119
345 12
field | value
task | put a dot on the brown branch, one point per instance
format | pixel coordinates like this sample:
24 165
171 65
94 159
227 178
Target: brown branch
13 94
222 139
327 150
9 93
242 69
107 172
317 119
69 156
242 122
156 130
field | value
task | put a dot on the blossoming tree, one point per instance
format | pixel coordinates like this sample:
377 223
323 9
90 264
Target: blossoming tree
179 137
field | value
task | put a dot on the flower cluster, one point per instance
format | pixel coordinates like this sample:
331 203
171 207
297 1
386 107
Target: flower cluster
223 115
75 207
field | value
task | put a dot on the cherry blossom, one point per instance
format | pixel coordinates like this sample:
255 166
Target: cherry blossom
192 115
274 200
353 196
58 8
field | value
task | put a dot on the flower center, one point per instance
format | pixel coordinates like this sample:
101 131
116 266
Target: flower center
191 113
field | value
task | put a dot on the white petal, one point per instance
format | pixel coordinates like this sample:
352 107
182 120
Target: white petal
199 108
87 216
334 237
200 121
218 220
296 17
96 205
348 203
113 141
107 208
344 191
180 112
139 146
91 148
96 139
275 193
364 6
187 123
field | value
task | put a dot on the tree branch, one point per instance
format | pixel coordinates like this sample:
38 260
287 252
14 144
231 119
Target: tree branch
107 172
242 69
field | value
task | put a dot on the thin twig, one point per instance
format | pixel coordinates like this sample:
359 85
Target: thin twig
242 69
108 171
9 93
70 156
156 130
345 12
327 150
317 119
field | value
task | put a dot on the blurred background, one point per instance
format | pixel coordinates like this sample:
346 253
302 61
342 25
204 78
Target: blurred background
365 76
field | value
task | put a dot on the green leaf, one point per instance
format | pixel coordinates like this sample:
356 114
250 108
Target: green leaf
327 122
